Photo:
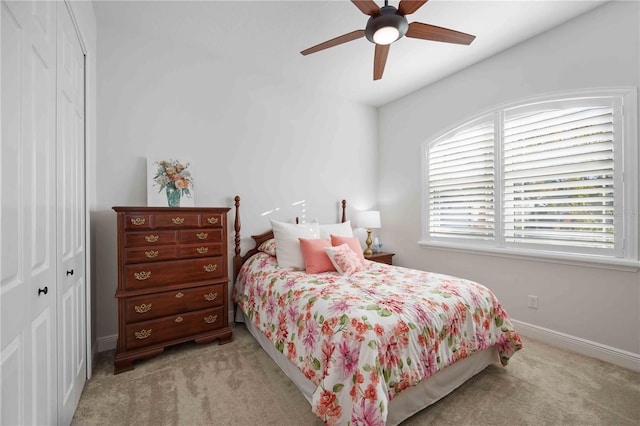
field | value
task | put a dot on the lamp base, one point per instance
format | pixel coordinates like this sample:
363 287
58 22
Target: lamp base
368 251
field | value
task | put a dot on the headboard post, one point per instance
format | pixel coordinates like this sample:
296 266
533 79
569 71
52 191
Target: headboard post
344 209
237 259
236 226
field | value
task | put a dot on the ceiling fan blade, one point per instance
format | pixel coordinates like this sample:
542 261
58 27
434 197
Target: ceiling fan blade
379 60
407 7
368 7
334 42
431 32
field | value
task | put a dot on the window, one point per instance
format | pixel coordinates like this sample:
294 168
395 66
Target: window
545 175
461 183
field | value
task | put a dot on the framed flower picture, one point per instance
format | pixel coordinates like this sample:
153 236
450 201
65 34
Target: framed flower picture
170 183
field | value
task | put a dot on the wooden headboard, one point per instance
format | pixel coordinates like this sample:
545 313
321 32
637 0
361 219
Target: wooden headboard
238 259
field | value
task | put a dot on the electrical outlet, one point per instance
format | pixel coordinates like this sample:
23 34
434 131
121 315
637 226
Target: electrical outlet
533 301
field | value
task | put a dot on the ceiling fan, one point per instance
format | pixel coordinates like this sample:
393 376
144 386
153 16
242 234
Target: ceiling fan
388 24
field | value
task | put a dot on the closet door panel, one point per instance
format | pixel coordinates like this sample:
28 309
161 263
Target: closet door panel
43 407
13 289
28 286
12 370
70 216
39 199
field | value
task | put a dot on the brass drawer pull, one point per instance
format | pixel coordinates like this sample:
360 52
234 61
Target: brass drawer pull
210 296
142 334
212 220
179 319
210 319
177 220
202 250
141 309
141 276
138 221
151 254
202 236
151 238
179 295
210 267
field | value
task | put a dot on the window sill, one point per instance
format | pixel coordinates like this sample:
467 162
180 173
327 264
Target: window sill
532 255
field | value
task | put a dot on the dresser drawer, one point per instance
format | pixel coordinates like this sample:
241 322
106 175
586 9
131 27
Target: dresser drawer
150 254
200 250
174 327
138 220
141 308
151 275
207 235
176 220
214 220
150 238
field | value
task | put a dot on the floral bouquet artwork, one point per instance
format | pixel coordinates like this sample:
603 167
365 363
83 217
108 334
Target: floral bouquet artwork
173 179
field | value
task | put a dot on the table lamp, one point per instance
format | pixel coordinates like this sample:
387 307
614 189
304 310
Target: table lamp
369 220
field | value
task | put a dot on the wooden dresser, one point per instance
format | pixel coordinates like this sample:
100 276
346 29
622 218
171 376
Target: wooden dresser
172 279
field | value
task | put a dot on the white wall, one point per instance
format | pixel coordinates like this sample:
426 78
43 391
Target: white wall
598 49
247 133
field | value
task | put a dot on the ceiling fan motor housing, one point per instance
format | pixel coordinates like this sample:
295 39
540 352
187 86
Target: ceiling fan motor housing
388 17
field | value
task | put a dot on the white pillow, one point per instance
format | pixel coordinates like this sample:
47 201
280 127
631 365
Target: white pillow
286 235
341 229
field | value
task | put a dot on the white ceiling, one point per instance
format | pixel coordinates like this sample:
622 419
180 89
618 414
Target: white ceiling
268 36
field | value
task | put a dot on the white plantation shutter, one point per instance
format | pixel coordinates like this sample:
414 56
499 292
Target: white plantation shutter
461 183
559 177
553 177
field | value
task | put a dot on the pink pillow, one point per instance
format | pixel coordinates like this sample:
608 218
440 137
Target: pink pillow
344 259
352 242
315 258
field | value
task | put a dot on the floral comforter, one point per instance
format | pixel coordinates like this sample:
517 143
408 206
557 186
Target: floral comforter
365 337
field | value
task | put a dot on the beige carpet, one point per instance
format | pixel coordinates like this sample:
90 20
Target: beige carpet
238 384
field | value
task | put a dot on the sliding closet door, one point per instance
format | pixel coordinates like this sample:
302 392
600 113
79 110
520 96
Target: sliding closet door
70 217
28 286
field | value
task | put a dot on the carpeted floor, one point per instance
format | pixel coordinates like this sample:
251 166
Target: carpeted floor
238 384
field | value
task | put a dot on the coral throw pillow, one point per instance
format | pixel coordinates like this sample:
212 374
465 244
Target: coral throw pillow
345 260
352 242
315 258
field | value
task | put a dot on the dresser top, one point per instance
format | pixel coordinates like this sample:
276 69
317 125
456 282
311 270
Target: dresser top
169 209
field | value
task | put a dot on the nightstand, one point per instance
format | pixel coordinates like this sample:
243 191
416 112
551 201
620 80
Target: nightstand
381 257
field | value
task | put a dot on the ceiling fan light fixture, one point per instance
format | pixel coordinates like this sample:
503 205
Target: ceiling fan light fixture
386 27
386 35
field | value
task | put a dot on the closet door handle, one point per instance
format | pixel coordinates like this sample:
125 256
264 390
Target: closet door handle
70 272
44 290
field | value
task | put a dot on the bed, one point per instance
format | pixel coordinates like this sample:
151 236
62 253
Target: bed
374 345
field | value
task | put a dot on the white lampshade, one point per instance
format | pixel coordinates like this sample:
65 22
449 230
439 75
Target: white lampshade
369 219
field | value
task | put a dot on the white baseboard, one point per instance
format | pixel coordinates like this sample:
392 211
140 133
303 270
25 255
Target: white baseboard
107 343
582 346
